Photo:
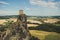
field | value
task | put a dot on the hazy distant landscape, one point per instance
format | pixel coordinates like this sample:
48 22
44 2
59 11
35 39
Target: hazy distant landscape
15 16
43 28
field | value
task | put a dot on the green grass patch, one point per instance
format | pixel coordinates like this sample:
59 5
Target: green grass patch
53 37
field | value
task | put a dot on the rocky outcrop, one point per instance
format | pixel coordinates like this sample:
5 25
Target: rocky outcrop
19 30
22 28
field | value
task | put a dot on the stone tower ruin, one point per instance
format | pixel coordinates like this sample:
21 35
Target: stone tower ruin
22 26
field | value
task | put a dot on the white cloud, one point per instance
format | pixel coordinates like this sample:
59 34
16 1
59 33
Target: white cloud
51 0
45 3
6 12
2 2
51 4
3 12
27 8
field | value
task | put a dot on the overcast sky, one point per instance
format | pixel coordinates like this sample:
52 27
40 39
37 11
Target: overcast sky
30 7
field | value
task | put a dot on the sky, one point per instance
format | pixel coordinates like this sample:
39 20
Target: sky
30 7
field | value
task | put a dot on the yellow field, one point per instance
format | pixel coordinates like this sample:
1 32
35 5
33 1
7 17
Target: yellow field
5 20
41 34
2 21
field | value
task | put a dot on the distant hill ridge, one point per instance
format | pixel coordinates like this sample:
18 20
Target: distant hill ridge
15 16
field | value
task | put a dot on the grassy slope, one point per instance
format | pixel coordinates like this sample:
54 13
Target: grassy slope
41 34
